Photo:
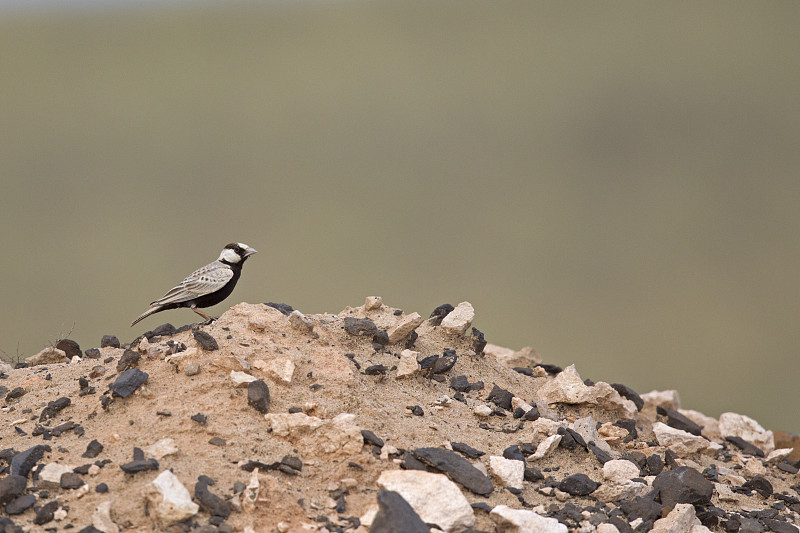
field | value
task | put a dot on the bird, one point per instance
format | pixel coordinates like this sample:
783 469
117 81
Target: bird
205 286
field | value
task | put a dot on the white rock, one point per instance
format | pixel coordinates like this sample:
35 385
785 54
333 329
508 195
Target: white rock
568 387
50 474
436 499
587 428
724 493
459 319
680 520
612 491
94 470
301 322
162 448
49 355
371 303
250 494
668 399
369 515
754 467
545 447
60 513
241 378
482 410
620 470
778 455
710 425
607 528
519 403
168 500
527 356
75 359
611 433
404 327
280 370
542 428
101 518
679 441
508 520
733 424
408 365
339 435
510 472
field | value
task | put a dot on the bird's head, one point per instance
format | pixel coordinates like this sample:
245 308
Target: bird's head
236 252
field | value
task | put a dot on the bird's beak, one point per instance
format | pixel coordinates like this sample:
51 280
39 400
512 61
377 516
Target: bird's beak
250 251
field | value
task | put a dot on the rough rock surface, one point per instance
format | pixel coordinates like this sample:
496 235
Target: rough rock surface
333 435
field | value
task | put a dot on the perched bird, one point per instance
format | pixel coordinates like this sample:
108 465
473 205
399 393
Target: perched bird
205 286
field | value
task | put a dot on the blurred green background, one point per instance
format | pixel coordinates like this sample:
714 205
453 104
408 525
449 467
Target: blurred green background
615 184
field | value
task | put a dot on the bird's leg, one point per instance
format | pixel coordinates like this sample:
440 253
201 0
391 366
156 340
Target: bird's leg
209 318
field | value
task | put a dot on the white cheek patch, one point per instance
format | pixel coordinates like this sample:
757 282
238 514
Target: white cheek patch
230 256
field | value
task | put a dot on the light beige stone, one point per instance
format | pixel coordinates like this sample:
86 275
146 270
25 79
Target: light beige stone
725 494
435 498
404 327
161 449
408 365
101 518
607 528
339 435
679 441
733 424
508 520
241 378
373 303
545 448
482 410
50 475
620 470
568 387
681 519
669 399
612 491
510 472
586 427
168 500
776 456
301 322
459 319
280 370
710 425
48 356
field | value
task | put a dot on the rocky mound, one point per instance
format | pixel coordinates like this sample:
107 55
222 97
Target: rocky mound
368 420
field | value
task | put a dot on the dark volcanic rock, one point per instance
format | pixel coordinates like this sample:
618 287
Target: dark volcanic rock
512 452
45 513
129 359
71 480
376 370
443 363
128 382
683 485
461 384
109 341
210 503
761 485
533 474
21 504
478 341
11 487
550 369
629 425
630 394
285 309
644 507
779 527
69 347
16 392
360 326
416 410
578 485
679 421
23 462
457 468
439 313
395 515
93 353
206 341
655 464
466 450
164 330
500 397
745 446
93 449
54 407
200 418
602 456
139 465
258 396
371 438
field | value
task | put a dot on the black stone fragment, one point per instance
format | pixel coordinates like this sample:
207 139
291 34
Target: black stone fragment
139 465
671 459
467 450
217 441
129 359
23 462
54 407
457 468
527 371
500 397
578 485
164 330
395 515
93 353
601 456
531 414
567 441
655 464
375 370
443 363
200 418
644 507
90 529
293 462
439 313
20 504
461 384
533 474
630 394
69 347
478 341
679 421
61 428
380 339
128 382
481 506
285 309
16 392
258 396
778 526
109 341
206 341
71 480
683 485
11 487
412 463
209 502
362 327
416 410
512 452
787 467
621 525
550 369
93 449
45 513
761 485
745 446
370 438
629 425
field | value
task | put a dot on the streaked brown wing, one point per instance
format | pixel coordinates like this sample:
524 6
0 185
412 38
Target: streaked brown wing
206 280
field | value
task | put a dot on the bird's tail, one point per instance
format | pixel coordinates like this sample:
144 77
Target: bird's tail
146 314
